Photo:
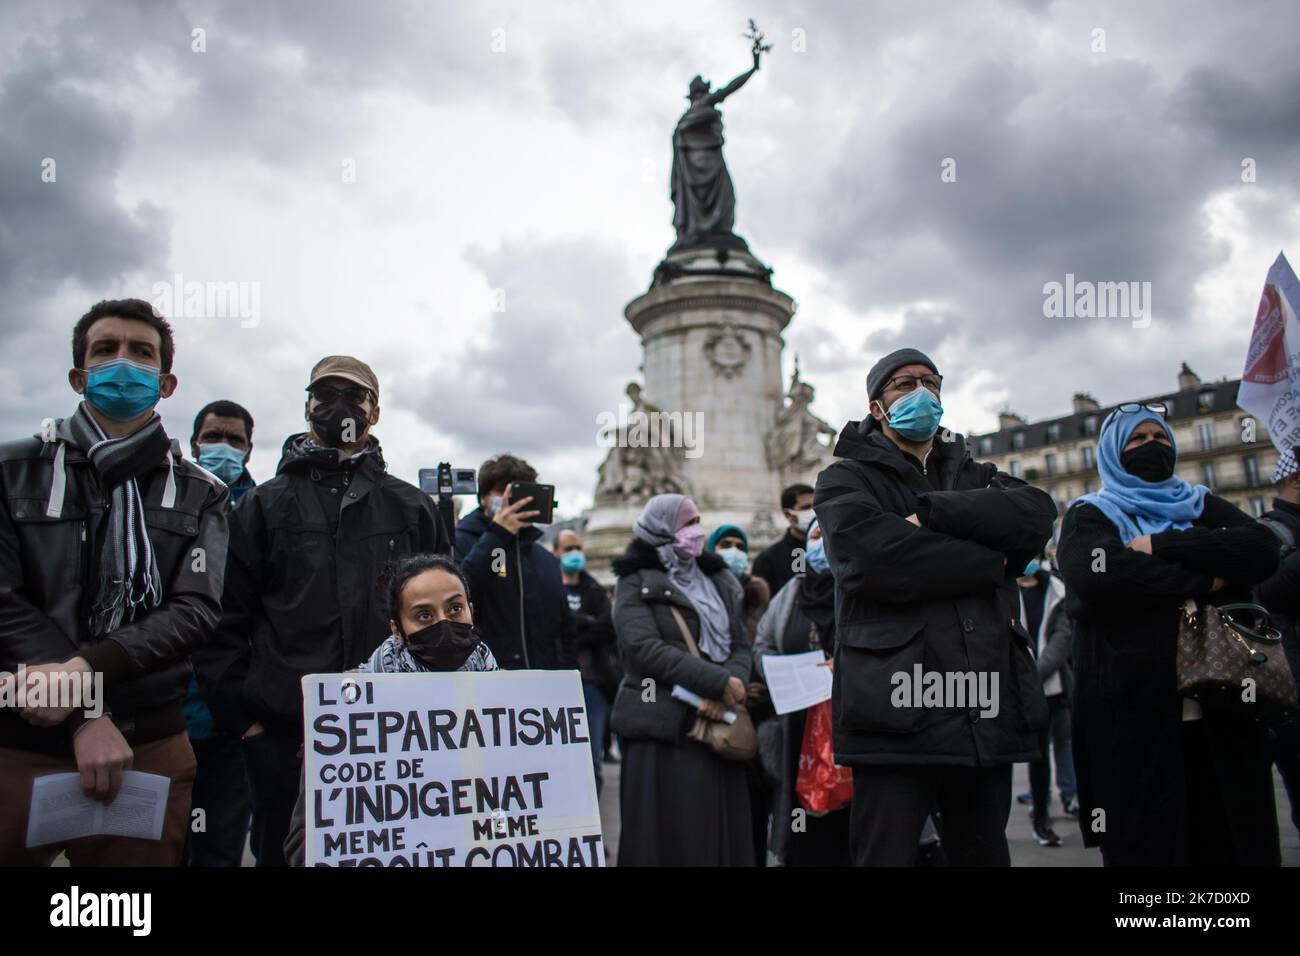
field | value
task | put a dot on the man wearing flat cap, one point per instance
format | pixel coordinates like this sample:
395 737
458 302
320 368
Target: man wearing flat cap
306 551
936 693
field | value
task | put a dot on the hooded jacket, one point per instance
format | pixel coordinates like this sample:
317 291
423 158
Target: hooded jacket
48 563
1051 645
654 653
938 599
508 574
302 594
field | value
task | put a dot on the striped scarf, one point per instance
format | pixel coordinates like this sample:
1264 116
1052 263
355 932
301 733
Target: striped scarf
128 571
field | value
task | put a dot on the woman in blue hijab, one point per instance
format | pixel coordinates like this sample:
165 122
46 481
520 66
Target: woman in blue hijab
1161 780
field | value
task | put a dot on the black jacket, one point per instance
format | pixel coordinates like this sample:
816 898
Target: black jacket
942 596
48 563
1281 592
655 656
1052 644
307 549
1127 720
775 564
597 652
505 572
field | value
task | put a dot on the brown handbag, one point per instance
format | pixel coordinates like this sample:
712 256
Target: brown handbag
734 741
1222 650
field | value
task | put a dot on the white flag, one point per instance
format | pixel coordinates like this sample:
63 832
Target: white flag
1270 382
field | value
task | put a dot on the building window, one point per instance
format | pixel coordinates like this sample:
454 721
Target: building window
1087 456
1089 487
1257 506
986 445
1018 440
1090 425
1251 466
1205 400
1207 474
1049 464
1205 436
1014 468
1053 434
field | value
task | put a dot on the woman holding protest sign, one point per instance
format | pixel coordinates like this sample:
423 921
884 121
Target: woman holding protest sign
679 616
432 626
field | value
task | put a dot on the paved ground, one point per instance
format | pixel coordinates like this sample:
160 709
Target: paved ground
1025 850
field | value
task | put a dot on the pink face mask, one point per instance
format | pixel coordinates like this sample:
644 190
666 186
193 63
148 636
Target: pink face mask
689 541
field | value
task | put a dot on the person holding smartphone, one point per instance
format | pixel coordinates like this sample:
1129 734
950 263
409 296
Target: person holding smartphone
523 611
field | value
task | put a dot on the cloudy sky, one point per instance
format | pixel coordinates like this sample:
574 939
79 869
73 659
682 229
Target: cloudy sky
466 196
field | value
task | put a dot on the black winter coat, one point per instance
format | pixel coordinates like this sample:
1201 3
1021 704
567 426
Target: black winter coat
942 596
655 656
48 564
597 650
303 595
508 573
1127 720
1281 592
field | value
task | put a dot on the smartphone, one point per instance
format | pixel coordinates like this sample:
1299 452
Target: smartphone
543 499
455 481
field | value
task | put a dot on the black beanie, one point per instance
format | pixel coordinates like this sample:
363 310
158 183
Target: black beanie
884 370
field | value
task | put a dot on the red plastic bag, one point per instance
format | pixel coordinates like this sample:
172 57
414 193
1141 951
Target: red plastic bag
822 785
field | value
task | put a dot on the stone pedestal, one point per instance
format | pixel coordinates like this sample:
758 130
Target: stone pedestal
710 331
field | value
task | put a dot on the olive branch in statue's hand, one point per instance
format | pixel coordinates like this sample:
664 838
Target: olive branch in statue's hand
757 37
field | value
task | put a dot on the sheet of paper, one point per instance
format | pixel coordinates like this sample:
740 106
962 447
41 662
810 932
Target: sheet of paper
797 681
694 699
62 812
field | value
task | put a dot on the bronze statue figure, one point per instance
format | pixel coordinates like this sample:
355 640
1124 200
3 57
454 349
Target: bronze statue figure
702 193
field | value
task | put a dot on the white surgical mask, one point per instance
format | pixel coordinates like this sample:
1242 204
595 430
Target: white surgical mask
804 518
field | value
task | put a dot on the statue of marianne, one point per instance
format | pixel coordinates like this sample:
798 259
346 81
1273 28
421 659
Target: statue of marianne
703 198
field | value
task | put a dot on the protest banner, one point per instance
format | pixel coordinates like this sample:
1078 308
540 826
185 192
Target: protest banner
1270 381
456 769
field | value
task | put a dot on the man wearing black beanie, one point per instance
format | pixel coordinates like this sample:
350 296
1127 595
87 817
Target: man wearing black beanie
936 694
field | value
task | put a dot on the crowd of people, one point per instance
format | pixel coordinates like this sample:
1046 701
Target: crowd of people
201 599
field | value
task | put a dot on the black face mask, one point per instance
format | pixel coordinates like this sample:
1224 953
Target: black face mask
329 421
1151 461
443 646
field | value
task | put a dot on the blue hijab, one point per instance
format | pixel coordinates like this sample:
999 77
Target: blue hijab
1134 506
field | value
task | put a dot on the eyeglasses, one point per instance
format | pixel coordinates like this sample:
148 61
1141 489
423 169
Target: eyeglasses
1130 408
325 394
905 383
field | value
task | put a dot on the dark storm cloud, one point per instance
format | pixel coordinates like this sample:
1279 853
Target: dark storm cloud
72 227
1096 165
1098 168
559 353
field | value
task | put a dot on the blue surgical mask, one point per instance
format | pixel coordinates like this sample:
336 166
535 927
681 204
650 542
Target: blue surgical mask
1031 568
493 503
224 461
571 562
816 556
122 389
916 415
736 560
